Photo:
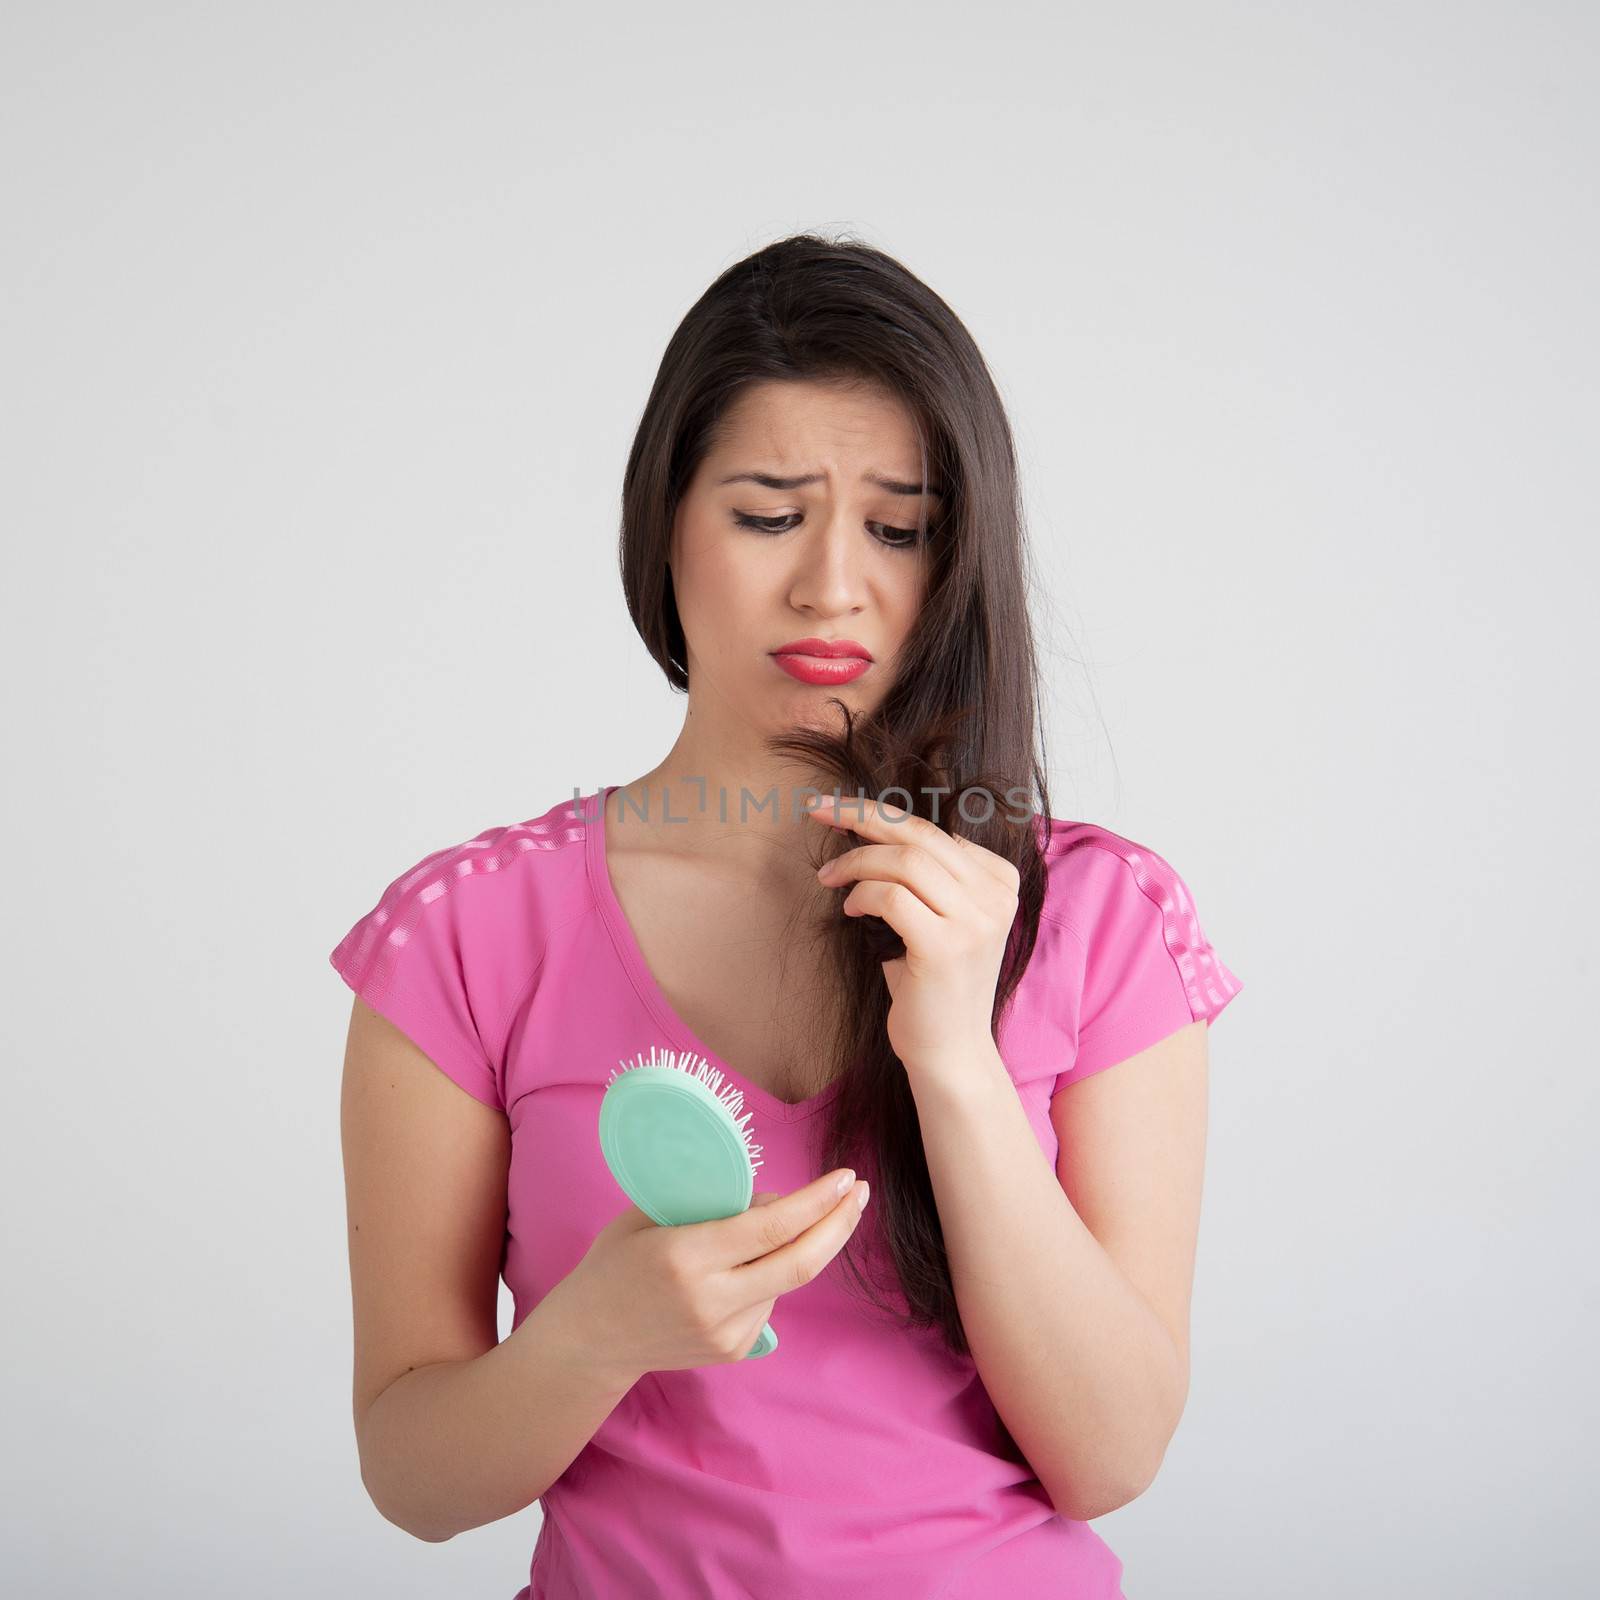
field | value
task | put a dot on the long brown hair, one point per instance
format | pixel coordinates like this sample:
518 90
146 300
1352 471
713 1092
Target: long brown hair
962 716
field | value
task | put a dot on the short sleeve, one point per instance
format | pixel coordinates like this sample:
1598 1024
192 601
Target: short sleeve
1147 967
410 959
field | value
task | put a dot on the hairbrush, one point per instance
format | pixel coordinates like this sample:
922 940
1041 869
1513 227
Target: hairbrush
677 1139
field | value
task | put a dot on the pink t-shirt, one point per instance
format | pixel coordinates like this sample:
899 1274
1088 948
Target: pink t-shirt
858 1459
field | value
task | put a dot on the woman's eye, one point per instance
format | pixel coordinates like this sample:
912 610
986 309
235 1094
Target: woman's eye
899 538
895 538
760 524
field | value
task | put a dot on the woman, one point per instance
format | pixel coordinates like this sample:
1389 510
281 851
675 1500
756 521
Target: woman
995 1349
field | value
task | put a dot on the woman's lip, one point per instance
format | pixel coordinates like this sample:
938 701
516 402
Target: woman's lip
828 649
821 669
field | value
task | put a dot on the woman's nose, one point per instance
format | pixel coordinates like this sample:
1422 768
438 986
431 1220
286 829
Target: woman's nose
831 571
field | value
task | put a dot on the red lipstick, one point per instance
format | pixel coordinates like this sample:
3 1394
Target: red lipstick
823 661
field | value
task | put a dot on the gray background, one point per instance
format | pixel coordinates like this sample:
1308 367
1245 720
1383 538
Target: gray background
323 333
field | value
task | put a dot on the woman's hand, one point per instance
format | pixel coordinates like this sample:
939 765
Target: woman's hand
951 901
652 1298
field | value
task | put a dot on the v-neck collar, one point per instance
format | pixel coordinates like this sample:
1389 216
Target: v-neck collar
592 815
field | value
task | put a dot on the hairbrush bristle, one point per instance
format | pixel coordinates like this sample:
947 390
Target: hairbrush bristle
730 1094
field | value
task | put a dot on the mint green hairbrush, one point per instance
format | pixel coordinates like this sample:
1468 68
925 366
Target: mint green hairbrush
677 1139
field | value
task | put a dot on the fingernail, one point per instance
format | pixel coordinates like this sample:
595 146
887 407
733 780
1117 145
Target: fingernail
843 1181
866 1189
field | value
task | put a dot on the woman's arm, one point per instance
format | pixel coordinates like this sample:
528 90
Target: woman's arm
1074 1286
453 1428
458 1444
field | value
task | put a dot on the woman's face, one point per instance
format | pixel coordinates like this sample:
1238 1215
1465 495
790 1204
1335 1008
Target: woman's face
758 564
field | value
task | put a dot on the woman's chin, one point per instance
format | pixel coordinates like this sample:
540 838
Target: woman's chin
819 715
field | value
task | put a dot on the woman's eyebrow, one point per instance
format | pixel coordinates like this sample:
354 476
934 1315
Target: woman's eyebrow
769 480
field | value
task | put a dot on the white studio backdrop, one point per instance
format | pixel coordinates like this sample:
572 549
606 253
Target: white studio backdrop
323 333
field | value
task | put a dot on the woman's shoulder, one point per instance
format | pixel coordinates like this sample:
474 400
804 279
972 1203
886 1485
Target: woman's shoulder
498 893
1125 902
1090 866
541 849
454 941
